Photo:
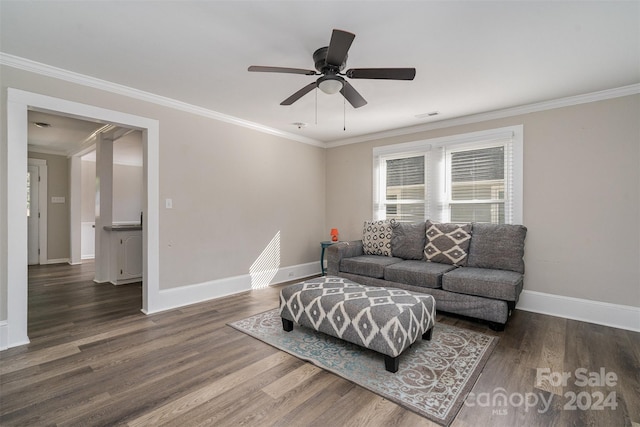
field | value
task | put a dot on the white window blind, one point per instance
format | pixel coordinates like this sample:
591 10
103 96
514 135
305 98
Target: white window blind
473 177
405 188
477 179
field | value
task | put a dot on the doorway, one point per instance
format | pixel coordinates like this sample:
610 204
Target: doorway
18 104
37 174
33 215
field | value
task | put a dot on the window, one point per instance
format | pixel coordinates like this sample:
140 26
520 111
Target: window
404 189
474 177
477 181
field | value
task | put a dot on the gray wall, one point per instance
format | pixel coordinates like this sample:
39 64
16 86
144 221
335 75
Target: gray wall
58 242
581 196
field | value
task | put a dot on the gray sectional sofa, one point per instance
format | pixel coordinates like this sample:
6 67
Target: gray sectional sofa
474 270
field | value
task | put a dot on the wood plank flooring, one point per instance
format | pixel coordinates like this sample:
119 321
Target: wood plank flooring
96 360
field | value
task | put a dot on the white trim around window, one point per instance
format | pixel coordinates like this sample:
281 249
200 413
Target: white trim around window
437 182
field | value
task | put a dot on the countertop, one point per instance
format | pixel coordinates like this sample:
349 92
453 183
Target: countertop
122 227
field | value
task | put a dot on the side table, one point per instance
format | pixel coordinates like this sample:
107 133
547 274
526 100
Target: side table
324 245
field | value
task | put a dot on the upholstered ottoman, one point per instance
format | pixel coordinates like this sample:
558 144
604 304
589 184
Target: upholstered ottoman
386 320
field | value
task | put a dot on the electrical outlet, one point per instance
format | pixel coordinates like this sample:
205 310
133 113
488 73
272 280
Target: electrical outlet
168 203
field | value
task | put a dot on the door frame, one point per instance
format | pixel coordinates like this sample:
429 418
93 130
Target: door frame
18 104
42 206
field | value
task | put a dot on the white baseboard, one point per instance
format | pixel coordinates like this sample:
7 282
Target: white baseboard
200 292
58 261
4 337
4 334
601 313
88 256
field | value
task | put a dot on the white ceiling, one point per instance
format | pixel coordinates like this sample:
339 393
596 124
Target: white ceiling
64 135
68 136
127 150
471 56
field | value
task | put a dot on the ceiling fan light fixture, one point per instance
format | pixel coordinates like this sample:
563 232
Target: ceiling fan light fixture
330 84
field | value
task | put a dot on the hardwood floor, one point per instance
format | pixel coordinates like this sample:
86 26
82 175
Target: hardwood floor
96 360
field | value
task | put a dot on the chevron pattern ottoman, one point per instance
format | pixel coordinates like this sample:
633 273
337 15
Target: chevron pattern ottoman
386 320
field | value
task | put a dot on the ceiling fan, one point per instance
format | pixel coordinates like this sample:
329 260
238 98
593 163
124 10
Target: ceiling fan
329 63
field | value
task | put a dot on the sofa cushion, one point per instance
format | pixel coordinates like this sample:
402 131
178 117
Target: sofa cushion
498 246
484 282
447 243
367 265
376 237
417 273
408 240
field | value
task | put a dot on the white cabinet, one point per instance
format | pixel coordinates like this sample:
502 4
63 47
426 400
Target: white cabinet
126 255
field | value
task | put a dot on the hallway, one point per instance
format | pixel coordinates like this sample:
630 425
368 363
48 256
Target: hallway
62 297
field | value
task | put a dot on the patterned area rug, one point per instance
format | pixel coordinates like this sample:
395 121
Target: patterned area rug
434 376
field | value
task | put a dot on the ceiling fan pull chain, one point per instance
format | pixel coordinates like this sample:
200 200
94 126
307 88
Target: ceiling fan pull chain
316 106
344 114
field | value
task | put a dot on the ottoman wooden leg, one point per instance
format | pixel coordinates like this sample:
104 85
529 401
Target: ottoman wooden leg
427 335
287 325
391 364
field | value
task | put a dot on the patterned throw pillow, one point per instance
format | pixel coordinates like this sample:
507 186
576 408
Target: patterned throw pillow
376 237
447 243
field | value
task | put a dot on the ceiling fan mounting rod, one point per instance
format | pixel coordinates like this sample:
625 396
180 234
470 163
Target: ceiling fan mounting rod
320 60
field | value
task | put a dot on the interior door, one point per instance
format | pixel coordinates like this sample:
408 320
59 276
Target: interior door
33 212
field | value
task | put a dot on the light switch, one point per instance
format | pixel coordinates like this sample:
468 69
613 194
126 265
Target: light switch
57 199
168 203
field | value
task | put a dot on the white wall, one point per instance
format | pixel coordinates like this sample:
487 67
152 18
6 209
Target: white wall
128 189
88 191
128 195
87 209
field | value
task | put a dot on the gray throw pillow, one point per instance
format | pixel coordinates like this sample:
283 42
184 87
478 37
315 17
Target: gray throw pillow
447 243
499 246
408 240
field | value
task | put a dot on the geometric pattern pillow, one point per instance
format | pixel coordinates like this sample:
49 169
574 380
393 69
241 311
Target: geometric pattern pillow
376 237
447 243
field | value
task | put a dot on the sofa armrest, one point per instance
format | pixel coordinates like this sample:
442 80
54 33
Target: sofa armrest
335 254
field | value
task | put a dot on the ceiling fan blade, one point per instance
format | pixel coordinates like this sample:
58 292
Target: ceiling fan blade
352 95
299 94
338 47
382 73
262 69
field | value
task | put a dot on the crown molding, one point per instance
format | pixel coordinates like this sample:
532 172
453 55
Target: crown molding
496 114
73 77
77 78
